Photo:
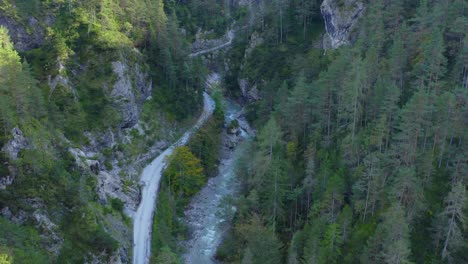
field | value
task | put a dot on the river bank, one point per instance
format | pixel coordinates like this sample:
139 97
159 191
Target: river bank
150 180
209 214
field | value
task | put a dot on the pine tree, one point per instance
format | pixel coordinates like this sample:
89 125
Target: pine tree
333 199
396 244
351 97
262 244
366 190
397 57
407 190
305 11
453 220
298 106
413 127
432 63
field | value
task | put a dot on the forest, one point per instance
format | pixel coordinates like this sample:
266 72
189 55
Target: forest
359 154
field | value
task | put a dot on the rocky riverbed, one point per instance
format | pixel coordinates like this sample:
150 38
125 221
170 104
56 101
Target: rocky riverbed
208 215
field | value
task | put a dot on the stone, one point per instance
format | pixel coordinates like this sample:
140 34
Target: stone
15 145
255 41
249 91
7 180
25 37
110 185
12 148
341 17
234 131
5 212
18 218
127 100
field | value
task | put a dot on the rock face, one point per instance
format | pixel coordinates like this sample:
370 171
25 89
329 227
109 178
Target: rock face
12 148
26 36
340 18
41 220
112 186
249 91
15 145
127 99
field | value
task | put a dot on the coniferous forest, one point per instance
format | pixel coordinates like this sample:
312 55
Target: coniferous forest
358 110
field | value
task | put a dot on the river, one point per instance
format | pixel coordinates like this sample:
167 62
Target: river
151 176
207 216
150 180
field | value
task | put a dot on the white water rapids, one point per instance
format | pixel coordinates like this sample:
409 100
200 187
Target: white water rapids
150 179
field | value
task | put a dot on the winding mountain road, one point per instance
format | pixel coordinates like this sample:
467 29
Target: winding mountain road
150 180
151 176
230 37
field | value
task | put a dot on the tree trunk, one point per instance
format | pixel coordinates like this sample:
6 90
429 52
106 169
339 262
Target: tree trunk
449 233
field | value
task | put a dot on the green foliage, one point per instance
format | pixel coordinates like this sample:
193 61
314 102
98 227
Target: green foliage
234 124
117 204
5 259
205 14
166 228
353 155
83 235
80 44
262 244
21 244
166 256
184 173
205 143
356 147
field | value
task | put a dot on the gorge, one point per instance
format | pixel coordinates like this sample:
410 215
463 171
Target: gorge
233 131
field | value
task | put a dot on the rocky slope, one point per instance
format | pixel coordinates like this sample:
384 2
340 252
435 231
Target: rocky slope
107 154
340 18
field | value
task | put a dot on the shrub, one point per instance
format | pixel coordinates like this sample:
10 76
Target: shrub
117 204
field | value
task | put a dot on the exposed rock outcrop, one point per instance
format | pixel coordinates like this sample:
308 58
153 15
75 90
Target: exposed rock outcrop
255 41
28 35
19 218
340 18
8 179
249 91
104 258
112 186
62 80
127 99
49 230
15 145
12 148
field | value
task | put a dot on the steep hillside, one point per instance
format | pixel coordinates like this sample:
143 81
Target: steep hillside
361 153
360 109
90 91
